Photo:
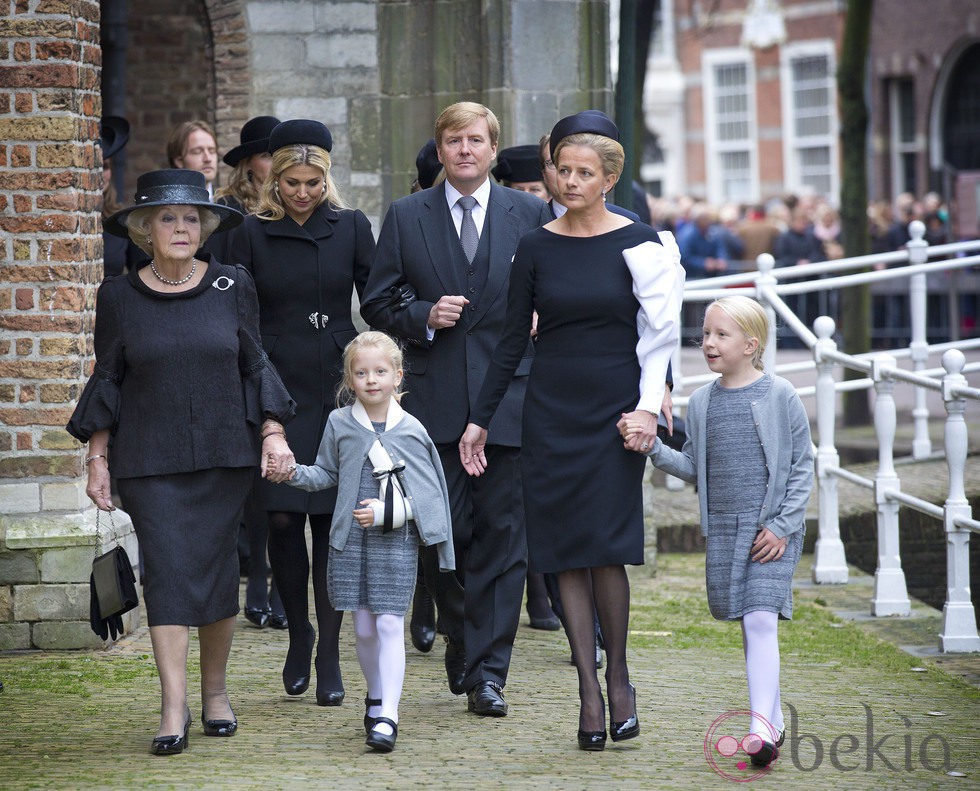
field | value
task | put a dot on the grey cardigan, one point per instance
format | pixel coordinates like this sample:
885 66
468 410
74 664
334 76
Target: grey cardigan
784 432
343 450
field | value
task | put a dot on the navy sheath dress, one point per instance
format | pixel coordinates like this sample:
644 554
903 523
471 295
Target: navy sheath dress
582 489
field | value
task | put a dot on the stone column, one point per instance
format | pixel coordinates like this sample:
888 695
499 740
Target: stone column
530 62
50 243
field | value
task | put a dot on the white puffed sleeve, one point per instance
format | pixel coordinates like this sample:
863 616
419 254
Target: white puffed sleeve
658 284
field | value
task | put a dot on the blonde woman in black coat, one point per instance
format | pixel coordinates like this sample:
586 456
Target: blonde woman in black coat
307 253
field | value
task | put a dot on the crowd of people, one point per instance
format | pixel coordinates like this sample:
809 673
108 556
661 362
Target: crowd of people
487 437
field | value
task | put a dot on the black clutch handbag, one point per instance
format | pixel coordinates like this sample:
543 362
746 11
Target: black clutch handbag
112 586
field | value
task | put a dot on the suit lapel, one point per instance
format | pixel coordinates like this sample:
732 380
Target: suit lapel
504 229
439 234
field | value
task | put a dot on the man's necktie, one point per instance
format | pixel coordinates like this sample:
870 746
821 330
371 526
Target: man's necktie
468 237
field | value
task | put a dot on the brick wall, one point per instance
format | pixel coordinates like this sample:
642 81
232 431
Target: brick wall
50 254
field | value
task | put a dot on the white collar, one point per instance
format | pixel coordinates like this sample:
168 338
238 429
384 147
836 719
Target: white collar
481 193
392 418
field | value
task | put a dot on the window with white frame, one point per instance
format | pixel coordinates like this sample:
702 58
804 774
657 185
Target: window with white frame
730 127
901 135
810 118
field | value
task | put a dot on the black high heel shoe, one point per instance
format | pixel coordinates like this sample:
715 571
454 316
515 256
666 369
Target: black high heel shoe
296 673
368 719
628 728
593 741
219 727
324 695
258 616
173 744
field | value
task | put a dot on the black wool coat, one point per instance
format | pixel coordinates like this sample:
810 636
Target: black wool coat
304 277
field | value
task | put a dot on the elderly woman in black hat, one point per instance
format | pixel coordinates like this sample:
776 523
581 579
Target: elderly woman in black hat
175 411
307 252
519 167
600 283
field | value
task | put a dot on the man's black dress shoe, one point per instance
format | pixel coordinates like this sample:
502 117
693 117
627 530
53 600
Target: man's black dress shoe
551 624
628 728
487 700
219 727
382 742
455 667
174 744
258 616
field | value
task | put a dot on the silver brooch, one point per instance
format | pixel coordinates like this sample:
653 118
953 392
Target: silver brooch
223 283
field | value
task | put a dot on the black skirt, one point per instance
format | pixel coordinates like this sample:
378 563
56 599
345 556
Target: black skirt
187 526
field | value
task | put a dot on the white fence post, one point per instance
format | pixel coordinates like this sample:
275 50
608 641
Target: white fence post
829 563
765 263
918 249
959 619
890 594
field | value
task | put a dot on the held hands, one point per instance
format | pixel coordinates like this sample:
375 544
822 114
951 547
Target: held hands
446 312
278 462
767 547
365 516
472 448
638 430
98 487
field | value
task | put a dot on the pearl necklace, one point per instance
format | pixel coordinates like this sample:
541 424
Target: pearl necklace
169 282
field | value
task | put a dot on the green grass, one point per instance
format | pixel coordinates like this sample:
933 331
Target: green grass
78 674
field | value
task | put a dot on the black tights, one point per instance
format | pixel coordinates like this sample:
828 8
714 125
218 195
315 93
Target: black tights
605 591
290 563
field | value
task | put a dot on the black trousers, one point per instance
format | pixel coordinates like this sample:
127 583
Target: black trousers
491 562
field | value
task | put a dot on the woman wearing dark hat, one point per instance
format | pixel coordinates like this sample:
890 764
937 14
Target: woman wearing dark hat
519 168
179 410
599 283
118 254
251 162
307 253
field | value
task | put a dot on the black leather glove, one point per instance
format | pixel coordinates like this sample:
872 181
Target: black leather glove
94 614
400 296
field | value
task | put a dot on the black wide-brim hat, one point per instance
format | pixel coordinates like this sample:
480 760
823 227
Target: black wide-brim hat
593 122
113 135
300 132
427 164
172 187
518 165
254 139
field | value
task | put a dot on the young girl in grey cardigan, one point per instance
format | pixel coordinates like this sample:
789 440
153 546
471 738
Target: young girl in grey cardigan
748 449
391 494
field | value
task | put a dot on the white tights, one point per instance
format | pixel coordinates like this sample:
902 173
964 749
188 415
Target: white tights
761 643
381 654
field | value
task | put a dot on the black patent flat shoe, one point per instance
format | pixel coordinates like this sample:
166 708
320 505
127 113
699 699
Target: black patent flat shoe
765 755
257 616
173 744
278 621
219 727
368 719
628 728
382 742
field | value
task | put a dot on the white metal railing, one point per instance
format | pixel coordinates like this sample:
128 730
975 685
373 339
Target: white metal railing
890 595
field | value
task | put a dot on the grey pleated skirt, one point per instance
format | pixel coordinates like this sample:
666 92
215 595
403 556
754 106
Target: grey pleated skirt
187 525
736 584
376 571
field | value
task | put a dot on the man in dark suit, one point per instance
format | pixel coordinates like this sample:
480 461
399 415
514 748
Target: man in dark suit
450 249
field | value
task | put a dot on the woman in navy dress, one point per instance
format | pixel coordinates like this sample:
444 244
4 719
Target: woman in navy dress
604 337
308 252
